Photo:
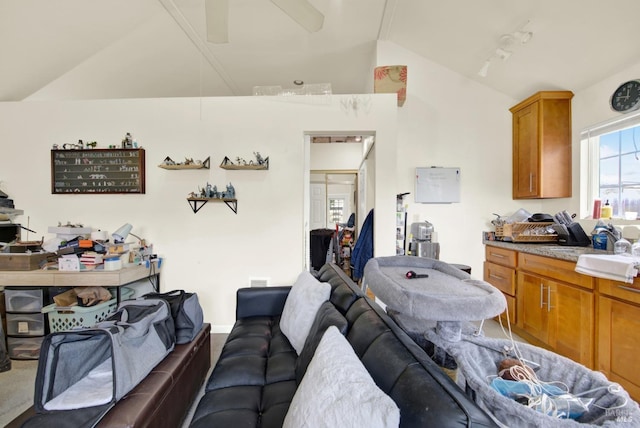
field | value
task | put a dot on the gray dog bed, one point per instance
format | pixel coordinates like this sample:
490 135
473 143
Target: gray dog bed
478 359
446 295
439 307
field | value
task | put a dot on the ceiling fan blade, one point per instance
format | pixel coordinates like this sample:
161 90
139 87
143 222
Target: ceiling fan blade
302 12
217 19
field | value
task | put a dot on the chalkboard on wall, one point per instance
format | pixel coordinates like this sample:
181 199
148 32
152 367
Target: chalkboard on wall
102 171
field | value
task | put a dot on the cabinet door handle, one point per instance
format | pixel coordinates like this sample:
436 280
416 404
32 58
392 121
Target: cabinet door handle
530 182
500 256
549 307
635 290
541 296
498 277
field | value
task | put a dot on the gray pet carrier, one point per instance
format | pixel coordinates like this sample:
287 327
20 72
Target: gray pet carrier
5 362
83 373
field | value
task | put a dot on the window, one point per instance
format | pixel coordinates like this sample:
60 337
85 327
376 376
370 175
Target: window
614 164
336 210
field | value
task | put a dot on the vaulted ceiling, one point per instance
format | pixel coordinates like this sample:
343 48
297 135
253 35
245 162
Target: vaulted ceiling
85 49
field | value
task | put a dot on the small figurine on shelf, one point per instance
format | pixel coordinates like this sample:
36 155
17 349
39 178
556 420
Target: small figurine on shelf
168 161
127 143
259 158
92 145
209 191
240 161
215 193
231 192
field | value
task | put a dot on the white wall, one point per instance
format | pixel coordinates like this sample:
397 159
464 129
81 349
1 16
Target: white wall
336 156
213 252
451 121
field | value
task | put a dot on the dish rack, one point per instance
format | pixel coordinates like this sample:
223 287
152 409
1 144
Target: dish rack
71 317
525 232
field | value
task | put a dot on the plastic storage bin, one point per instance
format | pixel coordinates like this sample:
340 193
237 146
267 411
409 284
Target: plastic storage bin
24 348
25 324
68 318
23 300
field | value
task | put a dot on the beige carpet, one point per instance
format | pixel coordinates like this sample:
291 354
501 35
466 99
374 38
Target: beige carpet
17 384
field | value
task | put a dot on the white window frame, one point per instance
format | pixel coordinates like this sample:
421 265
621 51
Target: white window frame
591 150
330 198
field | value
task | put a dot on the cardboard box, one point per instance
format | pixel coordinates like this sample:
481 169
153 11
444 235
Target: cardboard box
21 261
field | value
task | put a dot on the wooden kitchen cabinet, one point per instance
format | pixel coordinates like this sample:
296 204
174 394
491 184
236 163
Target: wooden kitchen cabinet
533 319
500 271
542 146
619 333
556 306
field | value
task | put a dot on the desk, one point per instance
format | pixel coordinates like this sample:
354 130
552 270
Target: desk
55 278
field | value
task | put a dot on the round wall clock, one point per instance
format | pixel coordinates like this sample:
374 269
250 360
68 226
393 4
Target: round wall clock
627 97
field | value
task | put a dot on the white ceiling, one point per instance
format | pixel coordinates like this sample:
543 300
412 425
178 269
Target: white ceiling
83 49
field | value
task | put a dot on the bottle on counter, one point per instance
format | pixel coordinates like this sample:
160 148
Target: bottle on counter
597 209
622 246
607 210
599 236
599 240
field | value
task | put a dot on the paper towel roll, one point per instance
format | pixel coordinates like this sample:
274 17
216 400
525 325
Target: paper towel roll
100 235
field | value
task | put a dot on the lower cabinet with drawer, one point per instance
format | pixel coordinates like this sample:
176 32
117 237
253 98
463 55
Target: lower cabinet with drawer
618 339
557 314
549 304
556 306
500 271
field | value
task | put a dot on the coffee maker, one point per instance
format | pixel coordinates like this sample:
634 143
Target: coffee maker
423 239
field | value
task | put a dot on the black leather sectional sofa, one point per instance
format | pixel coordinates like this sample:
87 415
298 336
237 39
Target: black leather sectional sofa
258 371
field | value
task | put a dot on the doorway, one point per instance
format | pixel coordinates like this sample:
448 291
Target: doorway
333 198
334 186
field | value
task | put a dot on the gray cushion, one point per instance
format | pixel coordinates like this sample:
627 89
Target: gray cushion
301 306
327 316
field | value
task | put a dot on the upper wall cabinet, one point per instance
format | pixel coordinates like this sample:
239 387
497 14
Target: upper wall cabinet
542 146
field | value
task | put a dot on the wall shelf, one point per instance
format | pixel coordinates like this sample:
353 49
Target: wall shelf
197 203
97 171
10 211
204 165
227 164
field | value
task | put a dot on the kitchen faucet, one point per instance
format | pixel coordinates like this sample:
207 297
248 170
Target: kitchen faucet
613 234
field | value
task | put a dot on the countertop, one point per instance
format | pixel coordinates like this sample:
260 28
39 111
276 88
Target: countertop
547 249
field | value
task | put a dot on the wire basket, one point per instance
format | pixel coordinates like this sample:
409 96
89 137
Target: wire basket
69 318
525 232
